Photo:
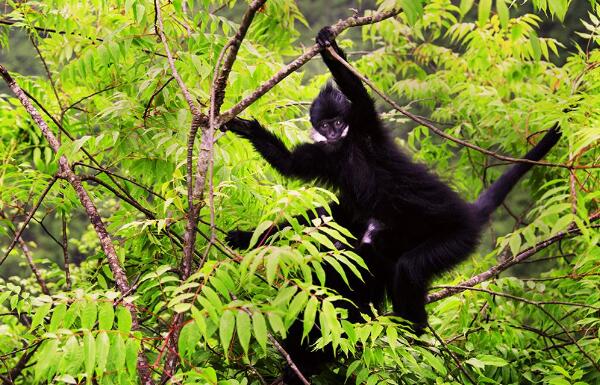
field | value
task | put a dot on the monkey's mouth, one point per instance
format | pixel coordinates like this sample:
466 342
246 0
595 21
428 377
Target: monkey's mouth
330 137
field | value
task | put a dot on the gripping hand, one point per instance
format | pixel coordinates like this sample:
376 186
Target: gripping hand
241 127
325 38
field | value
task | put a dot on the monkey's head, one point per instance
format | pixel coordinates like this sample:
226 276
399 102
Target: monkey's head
329 115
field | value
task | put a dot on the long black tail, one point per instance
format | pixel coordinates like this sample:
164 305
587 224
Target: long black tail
491 198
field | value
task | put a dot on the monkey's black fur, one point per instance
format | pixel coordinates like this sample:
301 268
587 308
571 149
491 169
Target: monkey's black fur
426 227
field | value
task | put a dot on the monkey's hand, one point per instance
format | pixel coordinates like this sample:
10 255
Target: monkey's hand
325 38
238 239
241 127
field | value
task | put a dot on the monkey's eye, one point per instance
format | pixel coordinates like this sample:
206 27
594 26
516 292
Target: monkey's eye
338 123
325 125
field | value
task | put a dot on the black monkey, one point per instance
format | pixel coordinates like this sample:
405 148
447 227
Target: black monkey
415 226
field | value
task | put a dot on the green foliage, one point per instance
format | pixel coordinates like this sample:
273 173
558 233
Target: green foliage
481 70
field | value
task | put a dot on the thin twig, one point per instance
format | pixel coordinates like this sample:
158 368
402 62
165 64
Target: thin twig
29 215
36 272
158 91
65 247
9 378
540 306
454 357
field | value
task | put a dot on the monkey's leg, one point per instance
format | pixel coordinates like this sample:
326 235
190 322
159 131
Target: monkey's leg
415 268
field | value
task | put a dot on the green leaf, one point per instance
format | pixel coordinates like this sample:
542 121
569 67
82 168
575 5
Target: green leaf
483 12
124 319
188 339
258 232
272 262
132 348
323 240
535 45
309 315
276 323
436 362
117 352
515 243
106 315
226 327
260 329
244 328
465 6
102 350
49 349
58 315
413 9
296 306
88 315
490 360
39 315
89 354
559 8
503 13
71 357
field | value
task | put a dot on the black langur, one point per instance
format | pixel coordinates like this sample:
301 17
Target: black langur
415 226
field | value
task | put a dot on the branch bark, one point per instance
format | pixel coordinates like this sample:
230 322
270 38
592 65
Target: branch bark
105 240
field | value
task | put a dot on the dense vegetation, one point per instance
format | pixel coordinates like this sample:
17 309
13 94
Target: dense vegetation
117 187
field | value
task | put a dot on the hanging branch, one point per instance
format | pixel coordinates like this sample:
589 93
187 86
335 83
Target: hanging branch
197 116
105 240
424 122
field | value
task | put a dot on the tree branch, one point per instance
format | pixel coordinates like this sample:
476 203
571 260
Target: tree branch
337 28
497 269
232 48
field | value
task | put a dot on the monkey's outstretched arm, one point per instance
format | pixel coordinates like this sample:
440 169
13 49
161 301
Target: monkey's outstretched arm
304 161
348 83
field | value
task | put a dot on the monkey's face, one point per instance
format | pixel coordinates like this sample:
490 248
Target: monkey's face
330 130
328 115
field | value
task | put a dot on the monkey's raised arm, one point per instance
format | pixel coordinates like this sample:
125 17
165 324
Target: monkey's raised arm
347 82
305 161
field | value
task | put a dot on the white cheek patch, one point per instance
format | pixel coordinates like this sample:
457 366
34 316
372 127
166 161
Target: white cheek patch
317 137
345 132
